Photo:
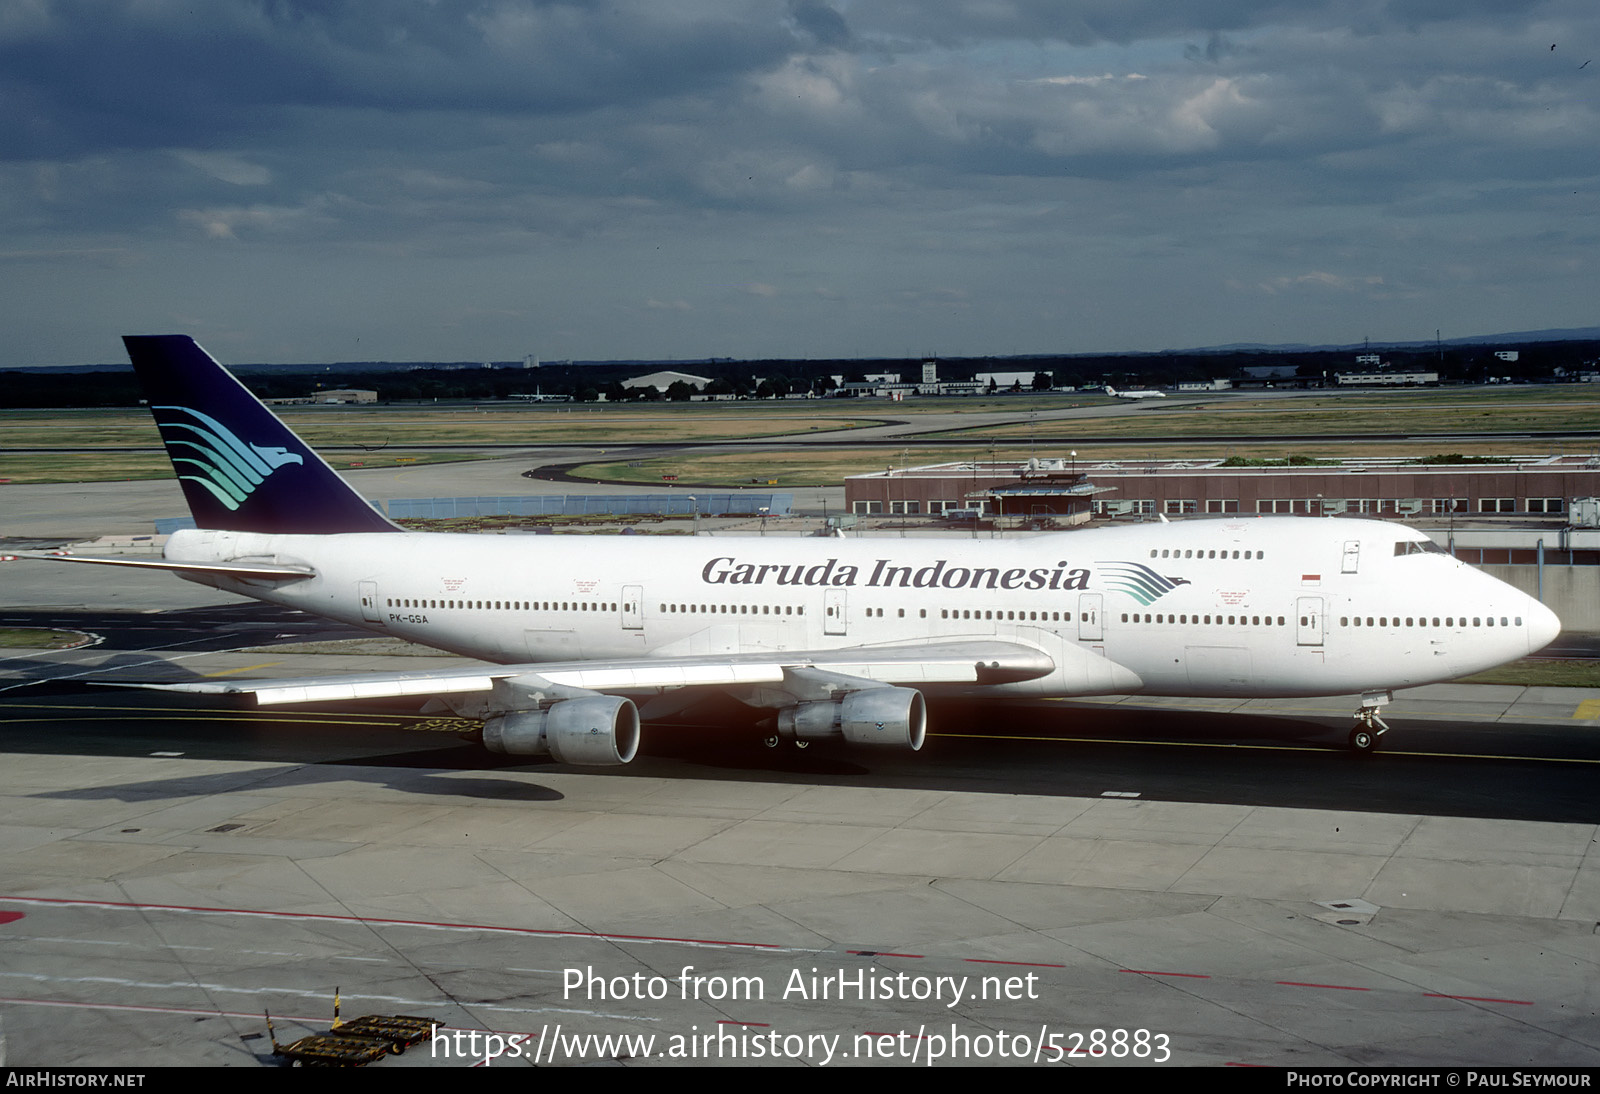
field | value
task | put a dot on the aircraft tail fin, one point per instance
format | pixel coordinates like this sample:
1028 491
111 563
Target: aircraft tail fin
241 469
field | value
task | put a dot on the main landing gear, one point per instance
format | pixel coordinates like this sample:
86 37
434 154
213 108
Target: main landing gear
1369 726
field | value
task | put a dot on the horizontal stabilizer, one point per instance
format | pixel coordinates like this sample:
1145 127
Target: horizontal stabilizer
260 571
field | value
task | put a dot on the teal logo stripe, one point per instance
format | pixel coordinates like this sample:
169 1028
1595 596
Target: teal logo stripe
1137 580
229 468
217 466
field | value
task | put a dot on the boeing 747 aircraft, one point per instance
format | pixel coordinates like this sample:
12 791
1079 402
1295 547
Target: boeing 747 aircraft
833 638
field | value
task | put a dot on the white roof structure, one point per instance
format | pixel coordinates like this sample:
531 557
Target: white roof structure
663 380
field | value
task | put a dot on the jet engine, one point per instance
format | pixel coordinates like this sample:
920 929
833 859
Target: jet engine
594 731
882 717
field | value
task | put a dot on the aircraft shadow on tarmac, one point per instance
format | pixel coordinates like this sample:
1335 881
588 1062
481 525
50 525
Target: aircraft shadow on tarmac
438 782
1054 749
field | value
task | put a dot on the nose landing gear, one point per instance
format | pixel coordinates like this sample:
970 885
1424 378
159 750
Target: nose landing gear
1369 726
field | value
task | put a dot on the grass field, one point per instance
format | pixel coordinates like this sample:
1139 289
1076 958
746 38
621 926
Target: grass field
1540 673
92 466
1539 409
458 425
38 638
387 431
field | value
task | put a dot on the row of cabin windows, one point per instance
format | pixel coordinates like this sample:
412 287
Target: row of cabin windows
590 606
1203 554
1204 620
505 605
978 613
1423 621
732 609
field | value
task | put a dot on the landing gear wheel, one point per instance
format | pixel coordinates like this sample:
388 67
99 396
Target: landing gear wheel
1370 726
770 742
802 744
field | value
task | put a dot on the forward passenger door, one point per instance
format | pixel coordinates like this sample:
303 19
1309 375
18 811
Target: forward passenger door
1308 632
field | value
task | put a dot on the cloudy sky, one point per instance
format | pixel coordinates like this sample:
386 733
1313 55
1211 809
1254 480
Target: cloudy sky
313 180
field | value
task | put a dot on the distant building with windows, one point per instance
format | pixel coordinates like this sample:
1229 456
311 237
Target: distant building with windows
329 395
1414 378
1524 486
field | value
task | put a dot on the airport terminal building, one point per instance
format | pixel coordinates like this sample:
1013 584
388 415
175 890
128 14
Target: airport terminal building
1070 491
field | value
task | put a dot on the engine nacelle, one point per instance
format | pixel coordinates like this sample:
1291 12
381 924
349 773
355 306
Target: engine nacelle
598 731
880 717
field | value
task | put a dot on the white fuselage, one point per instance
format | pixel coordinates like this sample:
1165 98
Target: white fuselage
1231 607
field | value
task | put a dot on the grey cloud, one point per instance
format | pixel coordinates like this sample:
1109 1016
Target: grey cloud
97 74
1095 174
820 21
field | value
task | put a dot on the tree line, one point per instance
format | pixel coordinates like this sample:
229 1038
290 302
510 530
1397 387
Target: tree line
780 377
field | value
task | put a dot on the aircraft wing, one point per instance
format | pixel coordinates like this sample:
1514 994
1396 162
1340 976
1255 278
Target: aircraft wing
975 661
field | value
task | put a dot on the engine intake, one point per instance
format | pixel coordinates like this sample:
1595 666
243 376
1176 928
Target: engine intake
877 717
600 731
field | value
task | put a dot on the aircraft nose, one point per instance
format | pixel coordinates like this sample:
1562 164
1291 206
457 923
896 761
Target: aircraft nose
1543 626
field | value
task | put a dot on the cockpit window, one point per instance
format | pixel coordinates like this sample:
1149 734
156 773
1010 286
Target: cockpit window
1417 547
